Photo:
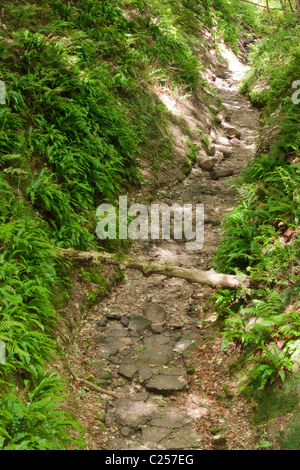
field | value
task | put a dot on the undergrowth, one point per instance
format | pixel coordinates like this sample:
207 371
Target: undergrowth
80 112
261 236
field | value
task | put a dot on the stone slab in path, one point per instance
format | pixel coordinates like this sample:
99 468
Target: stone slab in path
134 413
138 322
166 384
127 371
185 438
155 313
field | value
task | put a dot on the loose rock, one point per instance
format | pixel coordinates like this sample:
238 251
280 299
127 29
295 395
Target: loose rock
207 164
155 313
138 322
235 142
127 371
166 384
232 132
215 175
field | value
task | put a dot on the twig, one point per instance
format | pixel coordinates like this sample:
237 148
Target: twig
262 6
90 384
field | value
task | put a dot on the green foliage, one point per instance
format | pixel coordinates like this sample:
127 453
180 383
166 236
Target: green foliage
261 237
289 440
81 110
255 325
35 420
275 401
275 66
271 365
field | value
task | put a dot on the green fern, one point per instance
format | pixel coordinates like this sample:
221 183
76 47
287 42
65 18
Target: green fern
272 364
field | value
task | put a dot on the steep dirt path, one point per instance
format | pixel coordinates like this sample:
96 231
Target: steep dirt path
154 346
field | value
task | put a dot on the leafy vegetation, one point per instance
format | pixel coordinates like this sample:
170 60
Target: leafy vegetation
34 421
80 114
261 236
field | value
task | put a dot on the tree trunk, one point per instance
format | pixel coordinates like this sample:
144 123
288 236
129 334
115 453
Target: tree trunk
270 14
147 268
283 5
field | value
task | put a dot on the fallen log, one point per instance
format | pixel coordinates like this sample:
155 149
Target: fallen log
148 268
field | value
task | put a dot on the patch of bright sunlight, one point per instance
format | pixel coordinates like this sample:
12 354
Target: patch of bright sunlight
168 101
236 67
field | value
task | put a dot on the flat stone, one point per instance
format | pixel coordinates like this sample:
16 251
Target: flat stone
141 396
126 431
176 325
151 436
182 439
103 383
168 371
100 339
104 373
152 341
124 342
155 313
145 372
134 413
116 330
160 355
166 384
115 359
101 322
118 383
171 419
215 175
127 371
107 350
198 413
183 344
125 352
116 443
113 315
157 328
138 322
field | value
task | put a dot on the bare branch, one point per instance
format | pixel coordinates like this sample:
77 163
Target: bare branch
261 6
89 384
148 268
